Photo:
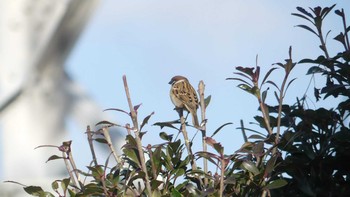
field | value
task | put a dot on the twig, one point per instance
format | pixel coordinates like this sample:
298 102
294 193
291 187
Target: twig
75 169
243 132
89 135
107 136
201 88
187 141
66 162
137 137
222 176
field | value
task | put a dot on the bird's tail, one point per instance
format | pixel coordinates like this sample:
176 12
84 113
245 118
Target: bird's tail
195 119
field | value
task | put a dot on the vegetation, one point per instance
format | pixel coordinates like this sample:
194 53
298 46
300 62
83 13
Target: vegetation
297 151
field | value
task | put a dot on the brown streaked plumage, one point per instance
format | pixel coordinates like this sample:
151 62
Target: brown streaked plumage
184 96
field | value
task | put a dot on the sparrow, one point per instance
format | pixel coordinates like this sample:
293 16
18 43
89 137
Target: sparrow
183 96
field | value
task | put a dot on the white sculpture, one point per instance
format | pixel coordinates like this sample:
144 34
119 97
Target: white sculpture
36 95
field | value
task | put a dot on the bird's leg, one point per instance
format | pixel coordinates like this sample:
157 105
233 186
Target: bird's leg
180 111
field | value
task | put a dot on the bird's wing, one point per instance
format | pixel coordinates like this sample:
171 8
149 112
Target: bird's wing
186 94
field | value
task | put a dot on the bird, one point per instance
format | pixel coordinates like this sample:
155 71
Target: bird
184 96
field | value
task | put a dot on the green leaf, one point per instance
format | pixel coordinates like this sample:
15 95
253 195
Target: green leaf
276 184
155 184
207 101
250 166
101 140
131 141
53 157
165 136
175 193
54 185
132 154
37 191
246 88
65 184
145 121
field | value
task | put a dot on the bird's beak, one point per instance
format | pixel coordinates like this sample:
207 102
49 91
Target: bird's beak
171 82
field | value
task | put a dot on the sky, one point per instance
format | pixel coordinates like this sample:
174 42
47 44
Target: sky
151 41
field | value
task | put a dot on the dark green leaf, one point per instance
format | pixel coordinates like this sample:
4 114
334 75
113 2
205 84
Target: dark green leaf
302 16
258 149
267 75
246 88
167 124
276 184
259 137
101 140
314 69
247 70
239 79
264 94
270 165
302 10
273 83
307 28
218 129
289 83
105 122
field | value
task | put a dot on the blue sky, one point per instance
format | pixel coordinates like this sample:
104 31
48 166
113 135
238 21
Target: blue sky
151 41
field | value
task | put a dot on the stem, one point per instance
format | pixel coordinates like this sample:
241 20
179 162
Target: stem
222 175
265 115
187 141
105 132
243 132
75 170
137 137
89 135
154 170
345 33
323 44
280 109
66 162
201 88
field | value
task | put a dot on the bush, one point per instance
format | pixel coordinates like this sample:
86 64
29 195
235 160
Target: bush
297 151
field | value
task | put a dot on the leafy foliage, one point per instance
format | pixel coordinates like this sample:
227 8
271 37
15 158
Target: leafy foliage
296 151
